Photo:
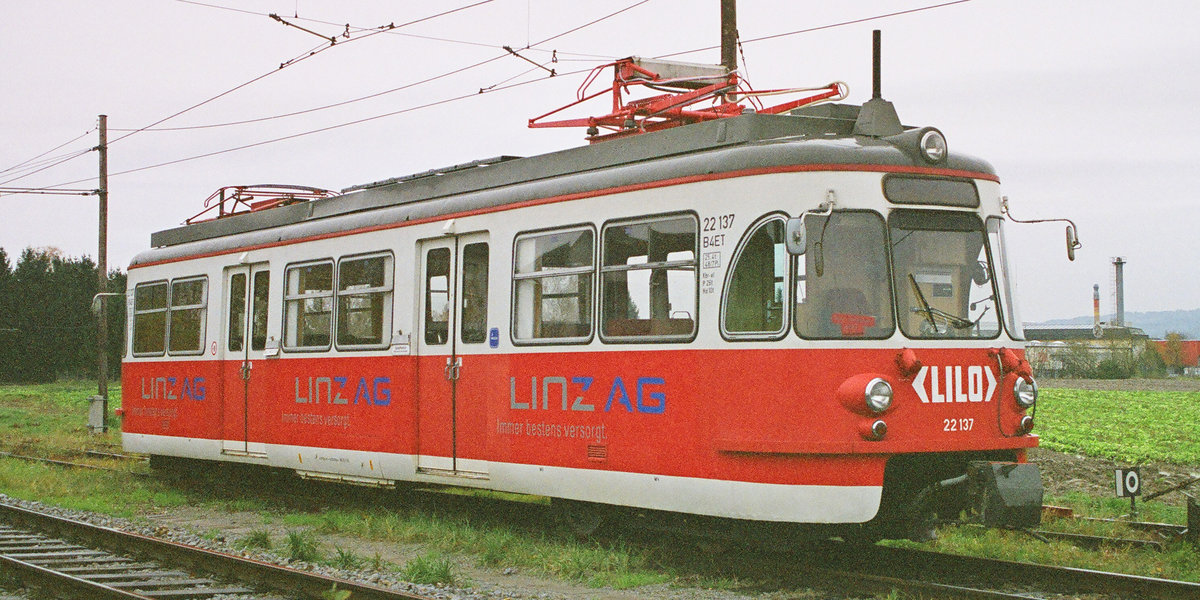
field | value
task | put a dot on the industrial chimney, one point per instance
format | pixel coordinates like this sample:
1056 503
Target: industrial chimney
1119 284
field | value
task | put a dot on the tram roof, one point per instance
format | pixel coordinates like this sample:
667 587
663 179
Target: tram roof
812 136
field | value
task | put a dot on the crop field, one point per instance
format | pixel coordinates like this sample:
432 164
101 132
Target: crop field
1129 426
1161 427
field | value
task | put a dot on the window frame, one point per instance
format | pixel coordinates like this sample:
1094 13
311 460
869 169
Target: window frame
388 290
601 270
949 214
590 270
890 294
788 285
202 307
288 298
136 312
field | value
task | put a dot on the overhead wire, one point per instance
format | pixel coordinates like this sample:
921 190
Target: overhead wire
493 88
821 27
66 143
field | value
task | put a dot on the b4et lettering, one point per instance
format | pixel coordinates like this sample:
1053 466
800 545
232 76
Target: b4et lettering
338 390
173 388
570 394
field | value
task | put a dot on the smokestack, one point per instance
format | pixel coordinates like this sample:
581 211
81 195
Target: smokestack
1096 304
1119 266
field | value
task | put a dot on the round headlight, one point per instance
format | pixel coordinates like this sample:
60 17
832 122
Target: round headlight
933 146
878 395
1025 391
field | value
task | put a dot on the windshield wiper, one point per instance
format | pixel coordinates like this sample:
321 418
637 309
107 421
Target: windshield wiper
932 314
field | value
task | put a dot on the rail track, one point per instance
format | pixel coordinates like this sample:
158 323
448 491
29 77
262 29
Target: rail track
865 569
82 560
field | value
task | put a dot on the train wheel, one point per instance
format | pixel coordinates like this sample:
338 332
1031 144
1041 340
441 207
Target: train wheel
582 518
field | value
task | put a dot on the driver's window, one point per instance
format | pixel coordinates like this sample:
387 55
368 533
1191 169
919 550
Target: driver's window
842 289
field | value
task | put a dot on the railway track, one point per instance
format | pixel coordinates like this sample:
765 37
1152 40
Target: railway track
993 578
869 569
81 560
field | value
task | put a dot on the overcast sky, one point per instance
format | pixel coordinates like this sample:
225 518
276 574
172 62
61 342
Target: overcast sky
1086 109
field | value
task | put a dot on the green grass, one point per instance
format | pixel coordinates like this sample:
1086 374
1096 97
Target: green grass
1131 427
430 568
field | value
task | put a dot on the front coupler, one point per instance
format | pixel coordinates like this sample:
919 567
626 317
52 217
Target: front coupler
1005 494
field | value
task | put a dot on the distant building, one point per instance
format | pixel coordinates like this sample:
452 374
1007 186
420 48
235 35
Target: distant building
1076 350
1191 354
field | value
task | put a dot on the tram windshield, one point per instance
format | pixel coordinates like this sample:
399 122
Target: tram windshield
942 275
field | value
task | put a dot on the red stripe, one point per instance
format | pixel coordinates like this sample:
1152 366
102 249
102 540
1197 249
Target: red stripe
592 194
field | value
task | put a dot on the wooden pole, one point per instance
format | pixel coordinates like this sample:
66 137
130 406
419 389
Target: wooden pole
729 34
102 270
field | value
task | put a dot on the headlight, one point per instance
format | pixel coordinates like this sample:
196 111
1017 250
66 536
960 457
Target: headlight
1025 392
878 395
933 146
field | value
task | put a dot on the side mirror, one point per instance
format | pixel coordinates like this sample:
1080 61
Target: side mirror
1072 242
794 237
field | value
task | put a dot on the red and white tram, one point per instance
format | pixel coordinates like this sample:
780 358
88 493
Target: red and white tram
803 318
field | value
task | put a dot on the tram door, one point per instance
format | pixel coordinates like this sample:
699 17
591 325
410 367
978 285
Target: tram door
245 341
453 330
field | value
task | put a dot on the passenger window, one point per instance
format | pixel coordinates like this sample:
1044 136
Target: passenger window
258 310
308 302
649 280
842 289
552 286
188 307
474 293
437 296
755 293
364 308
149 318
237 312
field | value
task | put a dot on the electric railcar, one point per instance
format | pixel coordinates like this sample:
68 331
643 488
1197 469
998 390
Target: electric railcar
801 318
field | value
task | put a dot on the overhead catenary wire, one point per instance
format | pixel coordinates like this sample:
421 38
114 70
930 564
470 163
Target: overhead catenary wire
64 144
582 56
822 27
507 49
491 89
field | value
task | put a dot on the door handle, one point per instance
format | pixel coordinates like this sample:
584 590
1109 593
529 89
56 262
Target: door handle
453 366
246 367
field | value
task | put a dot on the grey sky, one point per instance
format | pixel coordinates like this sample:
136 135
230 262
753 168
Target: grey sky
1086 109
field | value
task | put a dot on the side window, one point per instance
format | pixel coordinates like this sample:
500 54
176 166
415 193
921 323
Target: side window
474 293
842 289
187 312
756 291
237 312
149 318
649 280
364 302
437 296
258 310
552 286
308 306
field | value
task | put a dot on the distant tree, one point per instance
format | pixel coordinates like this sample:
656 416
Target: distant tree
47 329
8 327
1172 351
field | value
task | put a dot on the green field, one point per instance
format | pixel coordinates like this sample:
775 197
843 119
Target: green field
1127 426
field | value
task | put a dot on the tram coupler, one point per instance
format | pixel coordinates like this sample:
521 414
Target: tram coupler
1005 494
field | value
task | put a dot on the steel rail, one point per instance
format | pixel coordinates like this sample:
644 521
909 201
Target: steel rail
261 574
907 562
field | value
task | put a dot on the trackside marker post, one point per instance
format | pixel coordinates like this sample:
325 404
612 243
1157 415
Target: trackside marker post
1129 485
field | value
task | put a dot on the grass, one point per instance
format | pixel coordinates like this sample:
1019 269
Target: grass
430 568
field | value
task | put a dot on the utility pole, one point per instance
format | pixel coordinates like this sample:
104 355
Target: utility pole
729 34
102 268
